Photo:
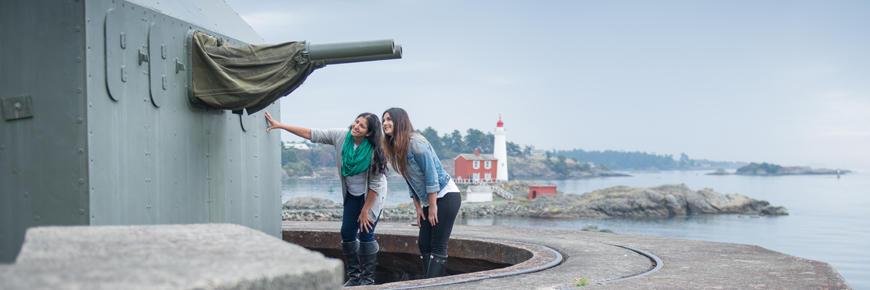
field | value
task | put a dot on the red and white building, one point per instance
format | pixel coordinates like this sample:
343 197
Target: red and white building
475 167
484 167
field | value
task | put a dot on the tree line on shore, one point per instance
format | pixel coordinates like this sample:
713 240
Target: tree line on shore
303 162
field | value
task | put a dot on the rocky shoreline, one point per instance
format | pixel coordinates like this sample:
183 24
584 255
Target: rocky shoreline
619 201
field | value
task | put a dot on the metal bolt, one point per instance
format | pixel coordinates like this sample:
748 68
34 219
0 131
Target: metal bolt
17 106
81 151
78 59
36 218
78 28
79 120
81 181
81 211
79 90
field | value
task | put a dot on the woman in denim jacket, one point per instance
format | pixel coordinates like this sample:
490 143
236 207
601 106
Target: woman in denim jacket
435 195
360 158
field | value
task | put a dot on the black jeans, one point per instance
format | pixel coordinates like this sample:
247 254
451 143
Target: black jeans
433 239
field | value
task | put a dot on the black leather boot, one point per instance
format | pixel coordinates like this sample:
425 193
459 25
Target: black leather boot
437 266
368 254
351 254
426 257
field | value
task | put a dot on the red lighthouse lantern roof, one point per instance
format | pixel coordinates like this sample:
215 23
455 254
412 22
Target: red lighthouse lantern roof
500 123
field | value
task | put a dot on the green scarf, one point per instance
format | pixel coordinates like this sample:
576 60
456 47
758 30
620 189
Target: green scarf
355 161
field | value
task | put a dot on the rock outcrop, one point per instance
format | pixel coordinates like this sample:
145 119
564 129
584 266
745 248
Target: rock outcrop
618 201
310 202
719 171
671 200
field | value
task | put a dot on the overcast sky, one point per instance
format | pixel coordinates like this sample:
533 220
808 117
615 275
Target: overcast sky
786 82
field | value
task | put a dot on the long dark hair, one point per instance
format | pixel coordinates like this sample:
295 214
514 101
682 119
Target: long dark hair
396 146
379 162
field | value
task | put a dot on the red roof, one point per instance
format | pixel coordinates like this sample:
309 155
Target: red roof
500 123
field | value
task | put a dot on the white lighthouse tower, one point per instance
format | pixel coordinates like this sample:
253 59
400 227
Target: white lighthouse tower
500 151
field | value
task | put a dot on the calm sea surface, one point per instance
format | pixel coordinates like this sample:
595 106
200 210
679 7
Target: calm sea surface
829 218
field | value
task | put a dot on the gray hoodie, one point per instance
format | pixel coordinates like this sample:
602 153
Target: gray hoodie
378 184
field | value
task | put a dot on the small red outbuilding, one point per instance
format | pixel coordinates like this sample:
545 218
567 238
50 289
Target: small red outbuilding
538 190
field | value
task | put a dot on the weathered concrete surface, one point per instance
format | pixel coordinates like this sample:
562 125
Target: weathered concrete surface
687 264
203 256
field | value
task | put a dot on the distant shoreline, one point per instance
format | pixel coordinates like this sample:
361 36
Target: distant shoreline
769 169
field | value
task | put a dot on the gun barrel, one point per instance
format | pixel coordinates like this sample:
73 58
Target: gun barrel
397 53
350 49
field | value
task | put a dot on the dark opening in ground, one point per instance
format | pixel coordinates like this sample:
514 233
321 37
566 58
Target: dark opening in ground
399 258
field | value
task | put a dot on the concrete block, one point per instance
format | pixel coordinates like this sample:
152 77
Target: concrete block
198 256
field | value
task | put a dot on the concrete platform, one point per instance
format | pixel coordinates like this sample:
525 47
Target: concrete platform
198 256
615 261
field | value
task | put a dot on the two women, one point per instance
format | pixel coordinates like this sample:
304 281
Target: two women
360 157
363 162
435 195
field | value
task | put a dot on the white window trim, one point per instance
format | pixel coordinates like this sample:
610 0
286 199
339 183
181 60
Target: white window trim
475 164
476 176
487 176
487 164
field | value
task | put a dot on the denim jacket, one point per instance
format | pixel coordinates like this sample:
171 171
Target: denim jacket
425 174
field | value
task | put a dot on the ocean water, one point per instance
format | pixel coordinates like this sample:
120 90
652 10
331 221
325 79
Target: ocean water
829 217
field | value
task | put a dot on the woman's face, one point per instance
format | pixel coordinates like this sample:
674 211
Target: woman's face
388 125
360 128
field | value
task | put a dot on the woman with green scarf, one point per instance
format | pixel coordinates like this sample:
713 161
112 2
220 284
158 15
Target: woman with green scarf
360 158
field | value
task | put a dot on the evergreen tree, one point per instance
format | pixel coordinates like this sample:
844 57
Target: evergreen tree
432 136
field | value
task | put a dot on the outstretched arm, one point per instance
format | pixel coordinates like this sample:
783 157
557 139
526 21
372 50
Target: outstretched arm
298 131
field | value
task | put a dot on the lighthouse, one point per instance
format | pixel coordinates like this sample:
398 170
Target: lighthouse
500 151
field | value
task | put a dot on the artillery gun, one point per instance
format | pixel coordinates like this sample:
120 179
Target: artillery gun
101 127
